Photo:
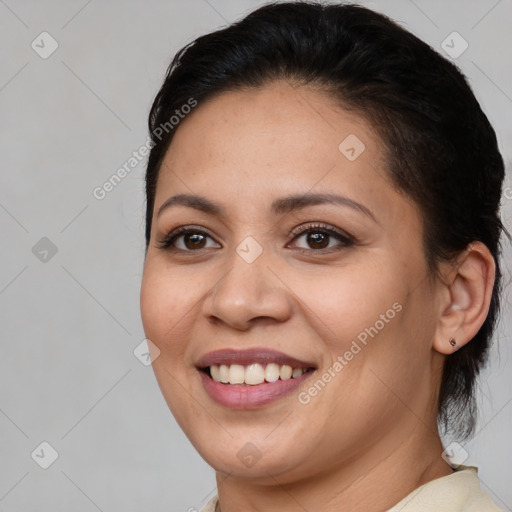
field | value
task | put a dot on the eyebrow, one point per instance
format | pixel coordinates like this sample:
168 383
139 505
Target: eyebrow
279 206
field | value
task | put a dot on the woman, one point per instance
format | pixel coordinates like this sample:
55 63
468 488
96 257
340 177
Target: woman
322 275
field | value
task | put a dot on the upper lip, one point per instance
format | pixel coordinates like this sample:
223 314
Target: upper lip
249 356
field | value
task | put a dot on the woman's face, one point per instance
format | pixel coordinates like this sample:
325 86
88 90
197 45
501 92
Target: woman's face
242 296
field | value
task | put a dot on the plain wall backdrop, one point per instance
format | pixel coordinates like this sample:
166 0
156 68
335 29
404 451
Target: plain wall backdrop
71 115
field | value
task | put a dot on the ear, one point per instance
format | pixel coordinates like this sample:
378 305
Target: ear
466 297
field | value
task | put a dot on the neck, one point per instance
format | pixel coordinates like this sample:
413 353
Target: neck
374 481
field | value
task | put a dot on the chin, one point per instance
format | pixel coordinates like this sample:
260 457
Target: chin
259 459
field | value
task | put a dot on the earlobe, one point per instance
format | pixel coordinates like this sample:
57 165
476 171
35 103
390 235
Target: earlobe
468 299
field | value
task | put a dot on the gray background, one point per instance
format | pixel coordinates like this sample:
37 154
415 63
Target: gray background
70 321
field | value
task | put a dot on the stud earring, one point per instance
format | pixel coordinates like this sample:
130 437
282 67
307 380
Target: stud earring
452 342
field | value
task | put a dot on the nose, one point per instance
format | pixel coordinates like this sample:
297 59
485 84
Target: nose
248 292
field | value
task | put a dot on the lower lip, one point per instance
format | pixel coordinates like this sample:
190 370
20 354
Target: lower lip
245 396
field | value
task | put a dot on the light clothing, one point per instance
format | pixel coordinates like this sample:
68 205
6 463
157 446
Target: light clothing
458 492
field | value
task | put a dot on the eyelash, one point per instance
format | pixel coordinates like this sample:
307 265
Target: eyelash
347 241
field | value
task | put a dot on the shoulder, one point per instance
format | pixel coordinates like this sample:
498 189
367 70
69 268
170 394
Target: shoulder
458 492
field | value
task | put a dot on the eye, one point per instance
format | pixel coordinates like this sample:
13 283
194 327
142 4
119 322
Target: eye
192 240
317 238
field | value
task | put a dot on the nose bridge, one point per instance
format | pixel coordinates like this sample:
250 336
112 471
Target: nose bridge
247 277
249 289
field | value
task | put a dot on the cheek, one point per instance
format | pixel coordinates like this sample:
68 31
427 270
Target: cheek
168 316
378 326
350 303
166 305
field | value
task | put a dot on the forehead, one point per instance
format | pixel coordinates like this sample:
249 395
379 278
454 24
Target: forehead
259 121
271 133
246 148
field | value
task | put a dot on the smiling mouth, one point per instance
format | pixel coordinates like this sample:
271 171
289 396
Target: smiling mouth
254 374
251 378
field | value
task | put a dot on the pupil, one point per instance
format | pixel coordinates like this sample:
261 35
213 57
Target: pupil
194 237
316 239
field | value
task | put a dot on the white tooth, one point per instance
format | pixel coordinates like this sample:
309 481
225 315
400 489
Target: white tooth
236 374
272 372
224 373
215 372
297 372
285 372
254 374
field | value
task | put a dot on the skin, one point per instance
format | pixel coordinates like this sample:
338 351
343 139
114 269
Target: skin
369 437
